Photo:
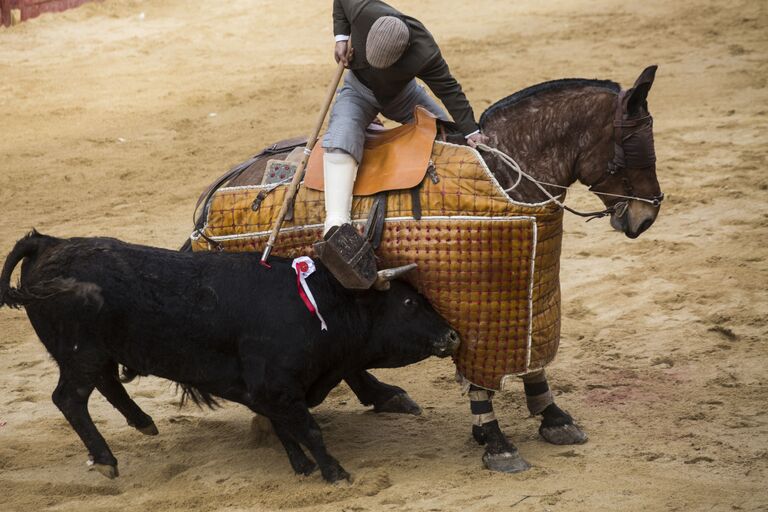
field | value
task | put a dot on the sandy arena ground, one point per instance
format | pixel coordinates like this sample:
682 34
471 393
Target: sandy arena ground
114 116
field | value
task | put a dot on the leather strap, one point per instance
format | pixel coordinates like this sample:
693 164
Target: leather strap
416 202
374 226
205 197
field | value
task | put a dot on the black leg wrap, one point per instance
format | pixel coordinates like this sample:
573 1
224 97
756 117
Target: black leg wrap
535 388
537 394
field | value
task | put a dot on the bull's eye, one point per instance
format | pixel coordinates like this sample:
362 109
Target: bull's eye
409 303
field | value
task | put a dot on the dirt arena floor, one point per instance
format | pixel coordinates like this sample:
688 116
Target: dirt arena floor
115 115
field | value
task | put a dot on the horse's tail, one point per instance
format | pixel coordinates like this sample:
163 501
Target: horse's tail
27 293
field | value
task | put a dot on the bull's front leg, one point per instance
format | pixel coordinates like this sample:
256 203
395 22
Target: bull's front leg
557 426
500 454
296 456
383 397
296 421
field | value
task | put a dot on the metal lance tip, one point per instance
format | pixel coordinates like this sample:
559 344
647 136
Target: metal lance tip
265 256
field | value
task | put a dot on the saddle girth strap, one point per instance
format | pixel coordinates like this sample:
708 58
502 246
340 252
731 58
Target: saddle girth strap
416 202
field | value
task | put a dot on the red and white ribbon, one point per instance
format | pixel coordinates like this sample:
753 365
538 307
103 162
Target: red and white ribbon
304 266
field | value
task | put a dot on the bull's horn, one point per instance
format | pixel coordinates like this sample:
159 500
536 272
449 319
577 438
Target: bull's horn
388 274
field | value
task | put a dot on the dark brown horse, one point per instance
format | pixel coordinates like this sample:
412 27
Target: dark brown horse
560 133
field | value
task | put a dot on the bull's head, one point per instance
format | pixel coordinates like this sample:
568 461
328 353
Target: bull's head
408 327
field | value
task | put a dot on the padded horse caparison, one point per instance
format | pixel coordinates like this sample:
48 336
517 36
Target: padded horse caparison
487 263
395 159
277 148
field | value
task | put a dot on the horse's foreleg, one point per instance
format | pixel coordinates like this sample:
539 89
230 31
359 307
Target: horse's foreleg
557 426
383 397
500 454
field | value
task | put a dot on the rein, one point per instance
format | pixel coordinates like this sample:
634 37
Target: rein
635 149
508 160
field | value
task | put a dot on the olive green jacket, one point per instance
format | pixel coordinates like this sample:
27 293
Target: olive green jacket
422 59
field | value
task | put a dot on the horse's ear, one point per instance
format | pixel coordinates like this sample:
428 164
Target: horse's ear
637 96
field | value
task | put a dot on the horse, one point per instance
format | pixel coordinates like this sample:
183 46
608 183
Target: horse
560 132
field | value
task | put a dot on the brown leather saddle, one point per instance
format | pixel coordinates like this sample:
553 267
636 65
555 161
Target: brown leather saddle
393 159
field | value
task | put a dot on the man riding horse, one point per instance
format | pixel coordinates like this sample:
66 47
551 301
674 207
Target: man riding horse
385 51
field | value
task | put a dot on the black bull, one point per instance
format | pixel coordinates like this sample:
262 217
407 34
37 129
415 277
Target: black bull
218 324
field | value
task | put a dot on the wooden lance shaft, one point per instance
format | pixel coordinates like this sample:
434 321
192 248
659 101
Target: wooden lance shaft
294 187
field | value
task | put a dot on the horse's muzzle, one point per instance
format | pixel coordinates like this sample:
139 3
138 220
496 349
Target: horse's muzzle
635 220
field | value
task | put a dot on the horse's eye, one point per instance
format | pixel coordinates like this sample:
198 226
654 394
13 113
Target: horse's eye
409 303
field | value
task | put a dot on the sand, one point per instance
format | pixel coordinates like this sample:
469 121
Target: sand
115 115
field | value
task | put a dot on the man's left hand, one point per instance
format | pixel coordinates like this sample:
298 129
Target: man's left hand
477 138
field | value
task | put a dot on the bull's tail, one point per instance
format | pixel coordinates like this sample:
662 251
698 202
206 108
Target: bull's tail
27 293
27 247
189 393
197 396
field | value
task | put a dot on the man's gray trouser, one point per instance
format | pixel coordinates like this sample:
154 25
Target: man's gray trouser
356 107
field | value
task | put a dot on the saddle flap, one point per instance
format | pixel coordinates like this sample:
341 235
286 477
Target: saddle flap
393 159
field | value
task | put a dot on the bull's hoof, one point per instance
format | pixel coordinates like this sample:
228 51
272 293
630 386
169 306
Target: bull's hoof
336 473
146 426
305 468
107 470
505 462
149 430
563 434
400 403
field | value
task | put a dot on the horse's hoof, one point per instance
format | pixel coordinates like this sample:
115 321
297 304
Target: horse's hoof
563 434
400 403
505 462
149 430
107 470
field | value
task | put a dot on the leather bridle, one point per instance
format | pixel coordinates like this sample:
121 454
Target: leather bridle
632 148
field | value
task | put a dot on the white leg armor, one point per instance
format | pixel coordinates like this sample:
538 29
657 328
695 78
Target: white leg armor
339 172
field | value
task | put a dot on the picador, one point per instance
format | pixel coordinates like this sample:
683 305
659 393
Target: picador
386 51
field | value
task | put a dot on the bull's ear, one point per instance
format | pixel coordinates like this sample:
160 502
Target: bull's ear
637 96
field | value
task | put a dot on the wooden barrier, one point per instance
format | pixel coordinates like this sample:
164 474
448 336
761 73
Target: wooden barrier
27 9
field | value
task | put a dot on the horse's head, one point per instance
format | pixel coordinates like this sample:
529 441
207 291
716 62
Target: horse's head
628 185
